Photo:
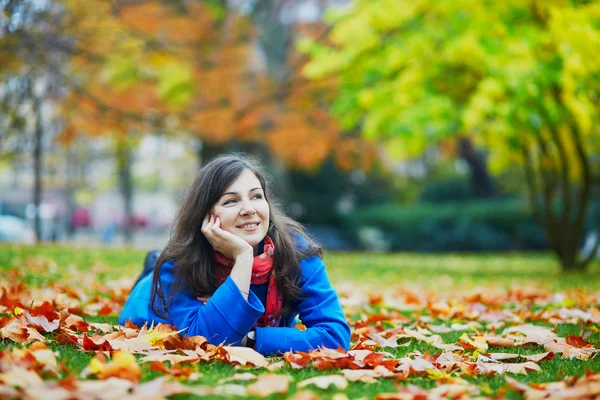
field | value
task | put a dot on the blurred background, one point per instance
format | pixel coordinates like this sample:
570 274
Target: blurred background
386 125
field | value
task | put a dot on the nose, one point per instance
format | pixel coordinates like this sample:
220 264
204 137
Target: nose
247 208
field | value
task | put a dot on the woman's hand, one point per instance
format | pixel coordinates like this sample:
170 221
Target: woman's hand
224 242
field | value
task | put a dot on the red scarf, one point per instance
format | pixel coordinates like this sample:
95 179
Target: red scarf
262 271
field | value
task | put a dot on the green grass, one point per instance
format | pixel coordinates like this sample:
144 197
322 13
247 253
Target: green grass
373 271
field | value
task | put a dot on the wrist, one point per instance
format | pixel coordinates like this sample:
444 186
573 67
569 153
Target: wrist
247 253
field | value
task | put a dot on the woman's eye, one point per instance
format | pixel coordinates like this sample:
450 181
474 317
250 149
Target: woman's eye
258 196
230 201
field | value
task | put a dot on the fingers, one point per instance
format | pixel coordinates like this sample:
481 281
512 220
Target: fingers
211 228
207 223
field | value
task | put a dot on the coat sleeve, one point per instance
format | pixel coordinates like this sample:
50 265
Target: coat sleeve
319 310
225 318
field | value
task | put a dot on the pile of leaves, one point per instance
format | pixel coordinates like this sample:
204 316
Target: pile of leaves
406 344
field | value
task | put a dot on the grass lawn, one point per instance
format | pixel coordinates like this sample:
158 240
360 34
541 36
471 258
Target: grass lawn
410 292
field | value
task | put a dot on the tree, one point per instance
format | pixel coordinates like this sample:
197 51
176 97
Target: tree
133 68
520 77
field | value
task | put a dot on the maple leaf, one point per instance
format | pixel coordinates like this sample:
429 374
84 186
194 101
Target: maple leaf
588 387
417 365
95 343
369 375
44 357
577 341
268 384
558 345
73 322
18 331
501 368
163 356
497 341
155 335
41 322
540 357
297 360
122 365
323 382
478 343
177 371
246 356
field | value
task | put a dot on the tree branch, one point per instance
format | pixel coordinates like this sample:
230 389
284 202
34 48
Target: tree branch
587 183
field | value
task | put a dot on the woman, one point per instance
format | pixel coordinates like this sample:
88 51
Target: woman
237 271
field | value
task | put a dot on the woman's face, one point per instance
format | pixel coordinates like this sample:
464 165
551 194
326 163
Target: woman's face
243 209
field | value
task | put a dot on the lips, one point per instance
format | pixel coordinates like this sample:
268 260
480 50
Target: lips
248 225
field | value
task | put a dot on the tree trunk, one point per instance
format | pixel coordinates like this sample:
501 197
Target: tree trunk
37 168
124 160
480 178
274 36
207 151
558 203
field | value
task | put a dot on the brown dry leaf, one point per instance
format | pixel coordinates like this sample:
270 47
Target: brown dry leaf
41 322
323 382
368 375
45 357
178 371
18 331
533 334
444 391
504 356
540 357
587 387
501 368
73 322
267 384
276 366
20 377
497 341
246 356
477 343
577 341
123 365
417 365
105 328
559 346
161 357
297 360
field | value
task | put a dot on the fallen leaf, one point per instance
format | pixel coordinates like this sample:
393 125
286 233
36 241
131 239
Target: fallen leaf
501 368
246 356
323 382
268 384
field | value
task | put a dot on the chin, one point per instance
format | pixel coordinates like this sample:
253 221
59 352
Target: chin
254 241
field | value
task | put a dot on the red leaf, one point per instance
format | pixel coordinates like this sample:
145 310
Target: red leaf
577 341
46 309
96 343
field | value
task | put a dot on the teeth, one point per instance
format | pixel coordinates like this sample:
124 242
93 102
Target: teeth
248 226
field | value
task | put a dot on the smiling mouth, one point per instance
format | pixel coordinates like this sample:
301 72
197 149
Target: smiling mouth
249 226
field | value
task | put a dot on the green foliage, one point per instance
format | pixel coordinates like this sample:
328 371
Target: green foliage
521 78
413 73
477 226
175 85
493 225
447 190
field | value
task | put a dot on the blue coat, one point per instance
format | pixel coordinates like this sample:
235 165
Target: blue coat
227 316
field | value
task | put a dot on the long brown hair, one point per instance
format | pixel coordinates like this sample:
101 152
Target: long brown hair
194 257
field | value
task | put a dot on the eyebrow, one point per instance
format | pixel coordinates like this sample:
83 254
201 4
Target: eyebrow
235 193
